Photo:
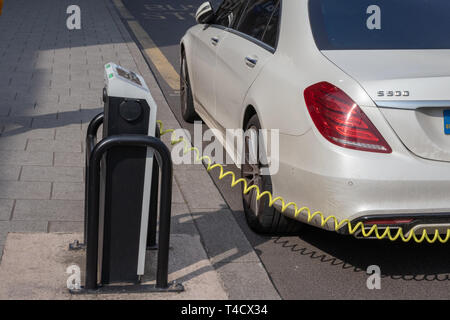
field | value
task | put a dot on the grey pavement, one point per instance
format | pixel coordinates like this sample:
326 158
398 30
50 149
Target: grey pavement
49 90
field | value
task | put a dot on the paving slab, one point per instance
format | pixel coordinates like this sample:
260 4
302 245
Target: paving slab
21 226
37 158
25 190
68 191
198 191
65 226
233 246
49 210
34 267
6 206
9 172
54 146
69 159
55 174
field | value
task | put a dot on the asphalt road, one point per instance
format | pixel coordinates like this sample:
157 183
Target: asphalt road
314 264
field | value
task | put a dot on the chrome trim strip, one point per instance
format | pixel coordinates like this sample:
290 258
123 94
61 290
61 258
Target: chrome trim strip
413 104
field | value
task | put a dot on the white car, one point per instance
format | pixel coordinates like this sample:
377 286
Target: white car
360 93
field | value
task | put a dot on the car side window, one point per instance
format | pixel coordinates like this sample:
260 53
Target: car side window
256 17
229 12
271 34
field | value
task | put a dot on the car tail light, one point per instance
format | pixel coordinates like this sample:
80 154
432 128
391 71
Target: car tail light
341 121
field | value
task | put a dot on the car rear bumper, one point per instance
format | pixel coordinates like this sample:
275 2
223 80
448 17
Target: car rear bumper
414 222
357 186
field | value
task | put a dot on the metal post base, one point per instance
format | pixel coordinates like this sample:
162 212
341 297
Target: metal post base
76 246
132 288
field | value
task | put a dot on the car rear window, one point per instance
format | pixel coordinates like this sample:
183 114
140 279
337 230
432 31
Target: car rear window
257 17
380 24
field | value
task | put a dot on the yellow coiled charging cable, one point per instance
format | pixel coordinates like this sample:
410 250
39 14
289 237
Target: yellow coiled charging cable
373 231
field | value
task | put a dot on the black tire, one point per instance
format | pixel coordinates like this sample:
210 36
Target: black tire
260 217
186 98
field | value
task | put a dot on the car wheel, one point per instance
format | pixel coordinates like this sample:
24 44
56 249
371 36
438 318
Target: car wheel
260 217
187 102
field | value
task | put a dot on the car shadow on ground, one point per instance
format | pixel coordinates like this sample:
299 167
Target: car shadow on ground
397 260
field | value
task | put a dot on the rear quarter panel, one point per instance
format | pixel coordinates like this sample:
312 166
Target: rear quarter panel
277 93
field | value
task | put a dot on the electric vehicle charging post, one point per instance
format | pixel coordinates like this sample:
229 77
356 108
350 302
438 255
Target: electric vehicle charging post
129 109
122 189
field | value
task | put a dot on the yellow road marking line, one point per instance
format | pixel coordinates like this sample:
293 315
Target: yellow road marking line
152 51
122 9
160 61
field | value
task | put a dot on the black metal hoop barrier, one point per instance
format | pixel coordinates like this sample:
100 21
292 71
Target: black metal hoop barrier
164 159
163 164
91 141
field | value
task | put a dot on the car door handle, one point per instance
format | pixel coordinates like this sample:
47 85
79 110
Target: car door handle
251 61
214 41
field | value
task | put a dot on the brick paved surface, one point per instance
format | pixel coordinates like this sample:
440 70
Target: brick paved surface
51 82
50 87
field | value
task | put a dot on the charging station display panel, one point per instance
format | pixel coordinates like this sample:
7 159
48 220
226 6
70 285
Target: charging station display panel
121 82
128 75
